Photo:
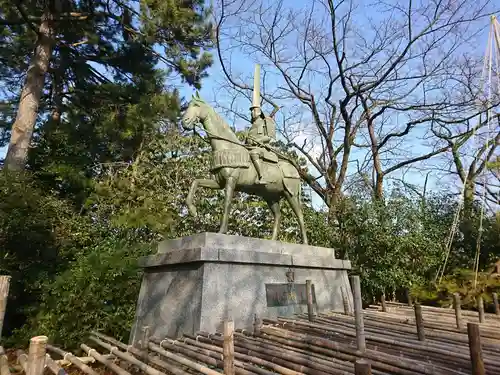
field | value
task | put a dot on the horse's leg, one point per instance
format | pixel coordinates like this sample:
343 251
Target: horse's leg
294 201
230 184
199 182
274 206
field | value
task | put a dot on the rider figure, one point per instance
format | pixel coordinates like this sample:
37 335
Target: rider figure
262 130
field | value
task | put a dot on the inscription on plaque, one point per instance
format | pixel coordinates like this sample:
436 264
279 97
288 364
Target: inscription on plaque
287 294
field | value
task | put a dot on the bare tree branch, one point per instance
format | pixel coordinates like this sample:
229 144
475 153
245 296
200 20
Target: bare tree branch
373 90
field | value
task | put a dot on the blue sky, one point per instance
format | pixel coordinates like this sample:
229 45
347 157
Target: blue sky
243 63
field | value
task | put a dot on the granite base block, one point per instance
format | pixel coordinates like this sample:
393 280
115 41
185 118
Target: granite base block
193 284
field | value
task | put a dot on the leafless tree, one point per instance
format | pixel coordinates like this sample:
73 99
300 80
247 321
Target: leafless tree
363 81
473 147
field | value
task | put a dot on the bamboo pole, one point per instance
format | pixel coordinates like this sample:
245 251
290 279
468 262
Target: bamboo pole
382 303
72 359
266 342
480 308
257 323
296 346
382 361
445 337
429 309
182 360
36 355
309 295
228 347
495 304
358 313
85 360
457 305
408 297
190 352
447 357
104 360
374 334
141 365
127 357
4 363
439 334
376 320
242 368
240 371
475 349
22 360
426 349
144 343
53 366
145 338
408 351
438 321
282 357
420 322
336 357
260 345
345 301
4 294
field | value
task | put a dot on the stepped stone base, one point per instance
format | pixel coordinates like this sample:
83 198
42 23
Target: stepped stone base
194 283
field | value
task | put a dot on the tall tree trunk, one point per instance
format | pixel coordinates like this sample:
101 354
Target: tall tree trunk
378 181
22 129
469 191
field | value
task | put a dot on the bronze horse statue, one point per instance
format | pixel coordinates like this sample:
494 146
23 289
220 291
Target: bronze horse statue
233 170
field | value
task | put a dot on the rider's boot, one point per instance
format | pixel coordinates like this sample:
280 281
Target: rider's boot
256 162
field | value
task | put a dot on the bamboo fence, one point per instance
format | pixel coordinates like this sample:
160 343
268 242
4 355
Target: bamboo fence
390 338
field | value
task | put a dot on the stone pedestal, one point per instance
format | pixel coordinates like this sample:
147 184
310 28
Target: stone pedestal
194 283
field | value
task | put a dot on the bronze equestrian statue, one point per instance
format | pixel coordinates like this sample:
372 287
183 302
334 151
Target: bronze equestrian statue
251 167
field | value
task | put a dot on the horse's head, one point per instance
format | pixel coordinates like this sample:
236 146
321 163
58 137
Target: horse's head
194 112
198 111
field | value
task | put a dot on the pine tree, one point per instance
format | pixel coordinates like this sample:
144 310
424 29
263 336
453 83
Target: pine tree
68 48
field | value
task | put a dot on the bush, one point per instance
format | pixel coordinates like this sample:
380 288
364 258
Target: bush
461 281
98 291
392 244
39 235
